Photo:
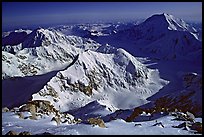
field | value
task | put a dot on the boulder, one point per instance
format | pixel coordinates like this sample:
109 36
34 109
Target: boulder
20 114
97 121
56 119
5 109
190 116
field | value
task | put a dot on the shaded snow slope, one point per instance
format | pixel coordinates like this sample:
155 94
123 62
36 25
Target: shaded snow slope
92 109
18 90
187 99
14 37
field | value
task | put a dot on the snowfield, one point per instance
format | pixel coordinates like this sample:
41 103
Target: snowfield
115 127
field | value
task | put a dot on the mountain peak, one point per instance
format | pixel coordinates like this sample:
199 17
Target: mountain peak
40 31
166 21
37 37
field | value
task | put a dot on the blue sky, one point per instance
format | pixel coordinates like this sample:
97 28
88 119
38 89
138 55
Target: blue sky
34 13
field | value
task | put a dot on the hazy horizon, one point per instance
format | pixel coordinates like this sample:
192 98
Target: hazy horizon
19 14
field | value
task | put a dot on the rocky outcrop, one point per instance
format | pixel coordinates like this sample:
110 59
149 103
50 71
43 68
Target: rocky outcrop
28 69
50 92
137 111
183 103
39 106
11 132
96 121
177 113
79 86
25 133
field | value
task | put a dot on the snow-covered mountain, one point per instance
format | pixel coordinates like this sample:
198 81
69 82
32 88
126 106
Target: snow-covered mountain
42 51
168 36
102 77
162 36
